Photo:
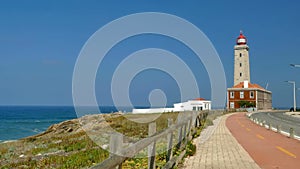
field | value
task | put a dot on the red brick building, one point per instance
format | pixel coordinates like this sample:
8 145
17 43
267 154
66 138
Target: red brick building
245 94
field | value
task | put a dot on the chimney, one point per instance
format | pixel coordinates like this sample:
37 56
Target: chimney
245 84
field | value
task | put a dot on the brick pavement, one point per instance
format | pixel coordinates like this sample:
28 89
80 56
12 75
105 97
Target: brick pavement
218 149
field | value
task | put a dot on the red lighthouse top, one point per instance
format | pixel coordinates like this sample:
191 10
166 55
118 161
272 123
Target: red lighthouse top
241 40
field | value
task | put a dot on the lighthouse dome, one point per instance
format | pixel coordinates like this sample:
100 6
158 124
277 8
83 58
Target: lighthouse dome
241 40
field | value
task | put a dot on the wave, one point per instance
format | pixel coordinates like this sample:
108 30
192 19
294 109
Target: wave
36 130
6 141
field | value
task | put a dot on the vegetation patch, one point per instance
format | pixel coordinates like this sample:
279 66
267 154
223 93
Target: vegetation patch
66 145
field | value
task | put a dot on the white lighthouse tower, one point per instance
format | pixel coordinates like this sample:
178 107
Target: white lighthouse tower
241 60
243 94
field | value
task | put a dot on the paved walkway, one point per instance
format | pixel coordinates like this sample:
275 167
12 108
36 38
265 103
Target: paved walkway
218 149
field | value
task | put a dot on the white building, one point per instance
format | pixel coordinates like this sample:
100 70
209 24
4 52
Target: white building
196 104
191 105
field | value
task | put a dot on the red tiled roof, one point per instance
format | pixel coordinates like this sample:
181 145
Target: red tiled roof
250 85
200 99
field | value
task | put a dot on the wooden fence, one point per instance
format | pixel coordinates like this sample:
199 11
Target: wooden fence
185 125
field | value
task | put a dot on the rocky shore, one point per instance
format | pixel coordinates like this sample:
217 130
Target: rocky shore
59 141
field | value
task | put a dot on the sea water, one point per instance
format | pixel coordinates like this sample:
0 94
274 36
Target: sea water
22 121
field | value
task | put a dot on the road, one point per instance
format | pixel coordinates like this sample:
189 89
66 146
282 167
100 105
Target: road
268 149
280 118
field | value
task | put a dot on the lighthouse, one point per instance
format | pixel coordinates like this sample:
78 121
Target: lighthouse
243 94
241 60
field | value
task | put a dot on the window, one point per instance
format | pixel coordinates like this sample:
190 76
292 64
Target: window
231 95
240 64
251 94
240 54
232 105
240 74
241 95
194 108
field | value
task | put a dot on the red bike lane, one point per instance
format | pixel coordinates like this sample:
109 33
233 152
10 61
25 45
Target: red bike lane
267 148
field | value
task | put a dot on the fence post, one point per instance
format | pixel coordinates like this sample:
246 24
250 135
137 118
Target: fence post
151 147
270 126
194 120
201 117
185 133
170 141
260 122
184 130
115 145
190 124
291 132
179 136
278 129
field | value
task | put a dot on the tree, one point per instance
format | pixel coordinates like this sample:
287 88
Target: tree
246 104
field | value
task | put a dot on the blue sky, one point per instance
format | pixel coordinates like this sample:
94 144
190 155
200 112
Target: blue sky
40 42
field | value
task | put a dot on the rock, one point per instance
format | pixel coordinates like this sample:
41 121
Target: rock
104 147
89 123
58 141
69 130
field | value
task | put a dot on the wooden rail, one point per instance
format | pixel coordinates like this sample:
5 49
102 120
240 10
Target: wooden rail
185 125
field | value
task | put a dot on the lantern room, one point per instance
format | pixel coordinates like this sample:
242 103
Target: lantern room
241 40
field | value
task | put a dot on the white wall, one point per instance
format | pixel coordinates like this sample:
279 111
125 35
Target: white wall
154 110
185 106
193 105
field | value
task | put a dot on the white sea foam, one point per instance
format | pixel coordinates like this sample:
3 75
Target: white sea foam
7 141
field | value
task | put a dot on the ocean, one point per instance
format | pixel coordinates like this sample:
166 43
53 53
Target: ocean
22 121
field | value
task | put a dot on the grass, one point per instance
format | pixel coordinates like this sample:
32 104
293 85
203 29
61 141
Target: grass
190 149
211 117
160 161
131 128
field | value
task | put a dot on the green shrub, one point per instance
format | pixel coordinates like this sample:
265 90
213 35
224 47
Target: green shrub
190 149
